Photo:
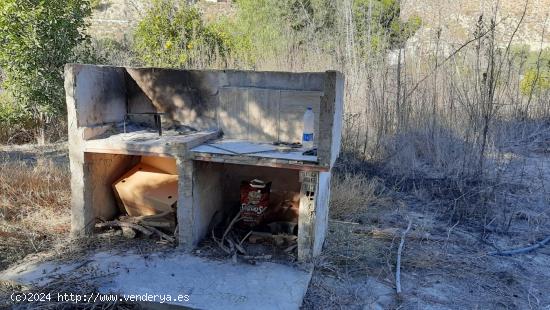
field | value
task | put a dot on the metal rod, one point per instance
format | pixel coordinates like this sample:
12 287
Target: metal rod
158 122
156 117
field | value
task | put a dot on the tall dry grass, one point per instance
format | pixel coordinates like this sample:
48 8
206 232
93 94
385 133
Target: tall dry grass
352 195
434 116
431 111
34 207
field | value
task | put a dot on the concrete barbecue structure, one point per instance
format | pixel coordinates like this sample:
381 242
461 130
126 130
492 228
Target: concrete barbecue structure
218 128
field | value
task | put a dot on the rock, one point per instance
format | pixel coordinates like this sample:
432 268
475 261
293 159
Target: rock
128 232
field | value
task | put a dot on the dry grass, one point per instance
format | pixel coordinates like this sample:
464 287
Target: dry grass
457 218
27 132
352 195
35 219
34 208
442 261
359 204
27 187
352 252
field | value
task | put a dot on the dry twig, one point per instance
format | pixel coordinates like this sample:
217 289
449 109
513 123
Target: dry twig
522 250
161 234
398 265
111 224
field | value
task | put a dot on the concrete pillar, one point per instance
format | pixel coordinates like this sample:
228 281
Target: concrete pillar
186 212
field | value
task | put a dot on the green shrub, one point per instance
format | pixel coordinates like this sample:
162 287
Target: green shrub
172 33
536 77
535 82
9 112
379 21
262 28
16 124
37 38
106 51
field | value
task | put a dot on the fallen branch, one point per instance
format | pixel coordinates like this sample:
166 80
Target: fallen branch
230 226
220 242
155 224
343 222
291 248
523 250
393 233
238 245
150 217
223 247
120 224
161 234
148 220
243 239
398 265
251 257
146 230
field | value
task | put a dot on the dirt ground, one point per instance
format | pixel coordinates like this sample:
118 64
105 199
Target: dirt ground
445 261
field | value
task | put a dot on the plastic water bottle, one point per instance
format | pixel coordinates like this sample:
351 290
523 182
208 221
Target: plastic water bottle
309 121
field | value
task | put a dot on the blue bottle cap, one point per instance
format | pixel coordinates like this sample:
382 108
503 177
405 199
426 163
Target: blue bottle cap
309 108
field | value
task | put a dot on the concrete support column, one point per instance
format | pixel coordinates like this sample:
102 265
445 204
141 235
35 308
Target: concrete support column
82 213
313 216
322 202
306 219
186 212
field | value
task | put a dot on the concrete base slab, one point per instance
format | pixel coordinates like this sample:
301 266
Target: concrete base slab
209 284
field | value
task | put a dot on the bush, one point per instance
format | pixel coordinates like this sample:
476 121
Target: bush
37 39
535 81
106 51
379 26
535 68
353 194
172 33
16 125
264 29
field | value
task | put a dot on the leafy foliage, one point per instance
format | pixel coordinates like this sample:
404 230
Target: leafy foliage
535 81
11 113
106 51
535 66
37 39
265 27
378 24
172 33
15 121
309 19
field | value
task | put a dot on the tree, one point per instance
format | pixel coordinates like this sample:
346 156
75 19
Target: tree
37 38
